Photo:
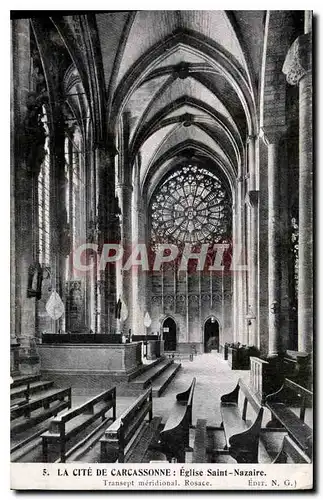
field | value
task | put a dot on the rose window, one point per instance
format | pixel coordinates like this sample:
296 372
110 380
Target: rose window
191 206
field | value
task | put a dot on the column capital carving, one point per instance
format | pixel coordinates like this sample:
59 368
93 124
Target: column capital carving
298 62
124 186
251 138
273 134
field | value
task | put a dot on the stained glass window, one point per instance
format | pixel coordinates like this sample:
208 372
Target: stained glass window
191 206
75 191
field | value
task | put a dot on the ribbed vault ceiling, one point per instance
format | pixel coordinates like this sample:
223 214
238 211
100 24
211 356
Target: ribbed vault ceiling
184 77
151 27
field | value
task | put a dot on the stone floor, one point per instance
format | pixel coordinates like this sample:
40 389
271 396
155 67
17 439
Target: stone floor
213 379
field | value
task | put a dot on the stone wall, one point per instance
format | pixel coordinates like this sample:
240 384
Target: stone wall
190 300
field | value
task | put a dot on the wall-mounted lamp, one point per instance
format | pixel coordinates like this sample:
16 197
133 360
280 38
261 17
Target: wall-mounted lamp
212 319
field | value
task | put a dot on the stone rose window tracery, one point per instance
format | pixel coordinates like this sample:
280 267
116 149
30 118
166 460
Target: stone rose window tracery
191 206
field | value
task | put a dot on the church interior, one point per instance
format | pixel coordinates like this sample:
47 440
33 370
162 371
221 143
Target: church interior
161 237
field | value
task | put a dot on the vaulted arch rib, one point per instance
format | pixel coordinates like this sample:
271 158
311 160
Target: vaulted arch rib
168 70
205 161
162 90
160 120
195 146
214 55
234 161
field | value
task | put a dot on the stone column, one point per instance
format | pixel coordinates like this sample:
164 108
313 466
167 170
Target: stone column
138 274
124 194
24 184
13 337
239 254
235 284
108 225
113 235
101 170
272 139
60 239
284 247
252 200
91 235
298 70
262 283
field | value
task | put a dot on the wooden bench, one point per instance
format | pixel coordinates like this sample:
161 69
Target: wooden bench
174 438
23 380
280 403
128 438
291 453
39 408
68 425
20 389
242 439
23 392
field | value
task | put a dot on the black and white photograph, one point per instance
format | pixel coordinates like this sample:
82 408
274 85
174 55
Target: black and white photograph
161 250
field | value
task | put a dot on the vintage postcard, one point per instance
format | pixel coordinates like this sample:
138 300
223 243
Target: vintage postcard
161 250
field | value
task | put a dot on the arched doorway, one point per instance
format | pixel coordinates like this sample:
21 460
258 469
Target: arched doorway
169 334
211 335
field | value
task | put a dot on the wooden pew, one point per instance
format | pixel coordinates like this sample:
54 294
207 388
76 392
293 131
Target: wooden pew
128 438
291 453
19 396
23 392
68 425
280 402
23 380
39 408
22 386
174 438
242 439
